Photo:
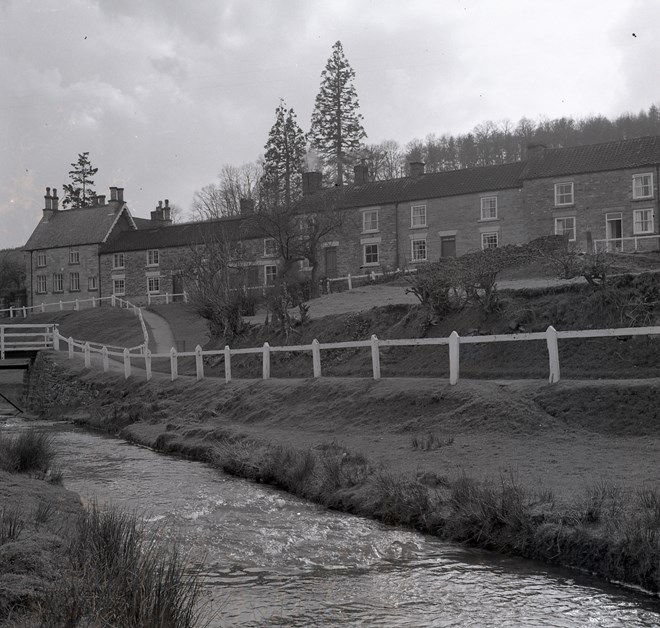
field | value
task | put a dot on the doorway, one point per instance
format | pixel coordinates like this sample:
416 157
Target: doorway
331 261
448 246
614 231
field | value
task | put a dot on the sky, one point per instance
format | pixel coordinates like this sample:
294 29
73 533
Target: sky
164 93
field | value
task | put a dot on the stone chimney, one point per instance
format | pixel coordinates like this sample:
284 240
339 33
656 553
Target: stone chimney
162 214
50 203
100 200
416 168
312 182
117 196
535 151
360 174
246 206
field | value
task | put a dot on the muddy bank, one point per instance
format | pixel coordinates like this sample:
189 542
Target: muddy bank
504 466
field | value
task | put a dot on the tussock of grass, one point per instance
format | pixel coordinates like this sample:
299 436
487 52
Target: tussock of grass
430 441
606 532
11 525
121 576
26 452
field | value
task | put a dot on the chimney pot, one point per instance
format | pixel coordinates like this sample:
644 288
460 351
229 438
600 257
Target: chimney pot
360 174
160 204
120 195
167 202
101 199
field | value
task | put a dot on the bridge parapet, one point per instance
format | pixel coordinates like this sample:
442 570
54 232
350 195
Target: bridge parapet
23 338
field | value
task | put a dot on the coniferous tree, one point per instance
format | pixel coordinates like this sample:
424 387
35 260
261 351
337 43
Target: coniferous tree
80 192
283 159
336 131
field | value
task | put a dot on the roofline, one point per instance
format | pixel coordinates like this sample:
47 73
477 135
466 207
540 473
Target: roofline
124 208
579 172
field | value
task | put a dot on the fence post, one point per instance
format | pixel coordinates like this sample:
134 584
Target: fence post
104 358
454 357
93 301
316 357
70 341
147 364
127 363
2 342
24 312
553 353
350 282
185 297
266 361
148 298
11 311
56 338
174 366
167 298
43 308
327 286
227 364
375 356
88 357
199 362
76 305
61 305
113 301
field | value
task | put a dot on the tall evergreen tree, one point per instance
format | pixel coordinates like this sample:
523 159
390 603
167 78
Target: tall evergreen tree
80 192
336 129
283 159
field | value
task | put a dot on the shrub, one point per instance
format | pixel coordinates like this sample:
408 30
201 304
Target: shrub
26 452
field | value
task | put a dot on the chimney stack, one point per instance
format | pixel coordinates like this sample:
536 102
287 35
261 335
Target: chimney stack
116 195
50 203
416 168
101 199
162 214
361 174
312 182
535 151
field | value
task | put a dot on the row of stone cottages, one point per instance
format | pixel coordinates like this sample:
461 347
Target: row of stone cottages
607 190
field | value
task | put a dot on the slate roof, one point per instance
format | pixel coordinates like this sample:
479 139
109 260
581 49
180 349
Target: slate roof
184 234
636 152
75 227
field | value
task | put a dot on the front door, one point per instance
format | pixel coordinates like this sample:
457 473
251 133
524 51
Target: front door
331 261
448 246
614 231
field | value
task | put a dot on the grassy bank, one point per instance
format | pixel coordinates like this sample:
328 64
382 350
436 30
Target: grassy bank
502 467
61 565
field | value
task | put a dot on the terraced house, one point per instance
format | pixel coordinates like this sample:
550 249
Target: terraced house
603 195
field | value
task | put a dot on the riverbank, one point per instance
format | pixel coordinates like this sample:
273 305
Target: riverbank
519 467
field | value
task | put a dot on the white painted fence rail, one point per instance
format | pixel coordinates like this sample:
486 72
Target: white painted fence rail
551 337
628 244
22 337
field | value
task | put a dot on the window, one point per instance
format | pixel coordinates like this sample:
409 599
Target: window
489 208
41 284
564 193
74 282
58 282
118 260
643 185
643 221
92 283
417 216
270 247
153 285
152 257
370 254
489 240
119 287
370 221
41 259
418 250
565 227
74 255
271 274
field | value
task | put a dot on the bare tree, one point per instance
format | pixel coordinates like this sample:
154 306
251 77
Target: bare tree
222 199
12 273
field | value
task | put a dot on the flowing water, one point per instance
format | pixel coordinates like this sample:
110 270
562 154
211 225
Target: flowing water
270 559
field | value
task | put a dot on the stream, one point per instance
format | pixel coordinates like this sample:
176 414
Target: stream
270 559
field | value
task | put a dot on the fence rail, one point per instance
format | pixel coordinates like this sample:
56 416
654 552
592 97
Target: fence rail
24 338
551 338
624 245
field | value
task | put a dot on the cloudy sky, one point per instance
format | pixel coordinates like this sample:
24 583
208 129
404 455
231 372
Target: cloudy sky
163 93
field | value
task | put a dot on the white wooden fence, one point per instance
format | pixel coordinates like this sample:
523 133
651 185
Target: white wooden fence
629 244
454 342
26 338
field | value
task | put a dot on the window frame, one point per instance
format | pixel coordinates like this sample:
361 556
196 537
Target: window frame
153 284
74 255
483 209
74 282
413 224
637 188
118 256
418 241
272 274
115 281
41 259
42 279
636 221
58 282
92 283
559 194
274 251
372 253
487 234
153 257
574 229
370 229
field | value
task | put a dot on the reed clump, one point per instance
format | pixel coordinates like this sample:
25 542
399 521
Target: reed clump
29 451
